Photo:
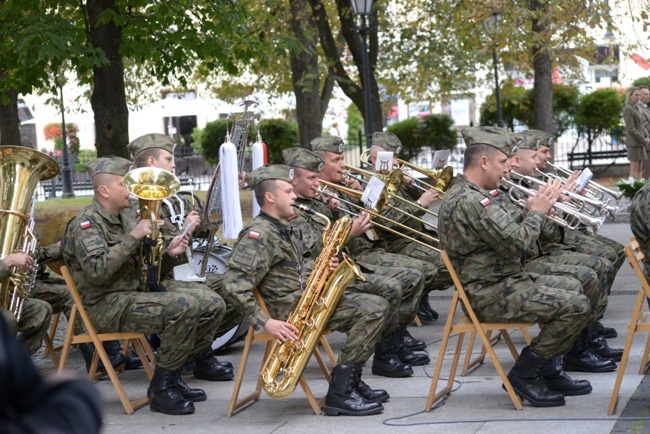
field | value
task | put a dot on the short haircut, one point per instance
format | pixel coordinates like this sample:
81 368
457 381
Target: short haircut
475 152
140 160
268 185
102 179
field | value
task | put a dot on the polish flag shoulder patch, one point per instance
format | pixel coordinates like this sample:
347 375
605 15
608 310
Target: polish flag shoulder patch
494 192
486 201
85 225
138 212
254 235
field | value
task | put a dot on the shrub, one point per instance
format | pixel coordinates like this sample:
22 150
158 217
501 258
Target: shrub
598 112
408 133
278 134
437 131
82 158
355 123
207 141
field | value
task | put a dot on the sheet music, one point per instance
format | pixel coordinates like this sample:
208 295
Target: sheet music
584 178
373 192
440 159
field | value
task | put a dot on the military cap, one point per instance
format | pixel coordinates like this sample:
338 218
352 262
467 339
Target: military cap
113 165
516 137
542 137
476 136
327 143
269 171
148 141
303 158
388 141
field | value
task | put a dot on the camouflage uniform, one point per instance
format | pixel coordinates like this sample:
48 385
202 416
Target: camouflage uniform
103 259
485 246
266 256
34 319
640 223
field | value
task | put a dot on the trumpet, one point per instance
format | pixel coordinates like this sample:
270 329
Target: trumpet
393 183
593 189
573 218
375 213
581 202
442 178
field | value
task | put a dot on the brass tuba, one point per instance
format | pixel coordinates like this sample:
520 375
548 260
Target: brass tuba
20 171
151 185
287 360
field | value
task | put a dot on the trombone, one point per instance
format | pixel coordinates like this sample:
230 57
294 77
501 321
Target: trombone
581 202
576 218
374 213
442 177
595 190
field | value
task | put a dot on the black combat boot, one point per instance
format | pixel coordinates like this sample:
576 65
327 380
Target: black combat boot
207 367
343 398
116 357
412 343
423 309
386 363
194 395
405 354
164 394
582 358
371 395
599 346
526 379
559 381
132 360
605 332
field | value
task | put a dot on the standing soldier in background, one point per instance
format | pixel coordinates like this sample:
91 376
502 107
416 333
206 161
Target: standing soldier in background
645 111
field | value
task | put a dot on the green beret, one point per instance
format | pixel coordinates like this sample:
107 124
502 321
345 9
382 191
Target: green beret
542 138
269 171
327 143
388 141
303 158
148 141
113 165
477 136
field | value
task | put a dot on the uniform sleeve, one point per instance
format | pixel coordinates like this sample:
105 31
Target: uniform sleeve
48 253
250 261
99 260
501 231
631 127
4 270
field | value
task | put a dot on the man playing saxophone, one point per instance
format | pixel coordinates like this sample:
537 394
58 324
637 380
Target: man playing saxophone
401 286
268 256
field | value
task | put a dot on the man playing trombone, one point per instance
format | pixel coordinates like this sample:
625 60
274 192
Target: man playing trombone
486 245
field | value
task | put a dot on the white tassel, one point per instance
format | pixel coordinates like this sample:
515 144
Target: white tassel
259 159
230 202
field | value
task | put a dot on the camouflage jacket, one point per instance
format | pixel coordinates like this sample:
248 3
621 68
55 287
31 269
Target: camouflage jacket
484 242
640 218
103 259
267 256
4 271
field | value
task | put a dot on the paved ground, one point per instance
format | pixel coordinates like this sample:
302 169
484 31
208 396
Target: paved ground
479 405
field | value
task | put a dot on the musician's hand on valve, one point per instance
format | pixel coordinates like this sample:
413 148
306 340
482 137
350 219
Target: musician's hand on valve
360 225
142 229
331 202
352 183
178 245
334 263
544 199
281 330
408 181
20 260
428 198
192 217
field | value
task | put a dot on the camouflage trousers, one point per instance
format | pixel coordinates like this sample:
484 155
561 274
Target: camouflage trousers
360 316
592 285
58 296
555 302
600 246
231 317
34 322
186 324
443 278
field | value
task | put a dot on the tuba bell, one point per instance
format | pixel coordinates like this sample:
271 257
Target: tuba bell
151 185
20 171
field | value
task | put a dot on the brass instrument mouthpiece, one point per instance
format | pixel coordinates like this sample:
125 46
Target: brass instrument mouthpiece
304 208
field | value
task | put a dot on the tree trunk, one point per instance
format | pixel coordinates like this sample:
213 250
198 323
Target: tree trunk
109 98
542 65
9 122
304 74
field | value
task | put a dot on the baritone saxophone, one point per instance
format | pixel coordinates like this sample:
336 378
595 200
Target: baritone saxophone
284 366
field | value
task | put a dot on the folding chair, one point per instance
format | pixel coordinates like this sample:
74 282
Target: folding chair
468 325
471 364
48 339
639 322
236 404
137 340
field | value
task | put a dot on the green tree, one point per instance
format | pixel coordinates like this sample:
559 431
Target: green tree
355 123
437 132
598 112
643 81
278 134
515 105
408 132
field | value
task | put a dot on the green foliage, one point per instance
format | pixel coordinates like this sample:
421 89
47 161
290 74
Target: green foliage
82 158
278 134
515 104
630 187
210 139
643 81
437 131
53 132
598 112
355 123
565 106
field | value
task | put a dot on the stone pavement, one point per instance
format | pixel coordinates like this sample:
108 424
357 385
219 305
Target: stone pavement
479 405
